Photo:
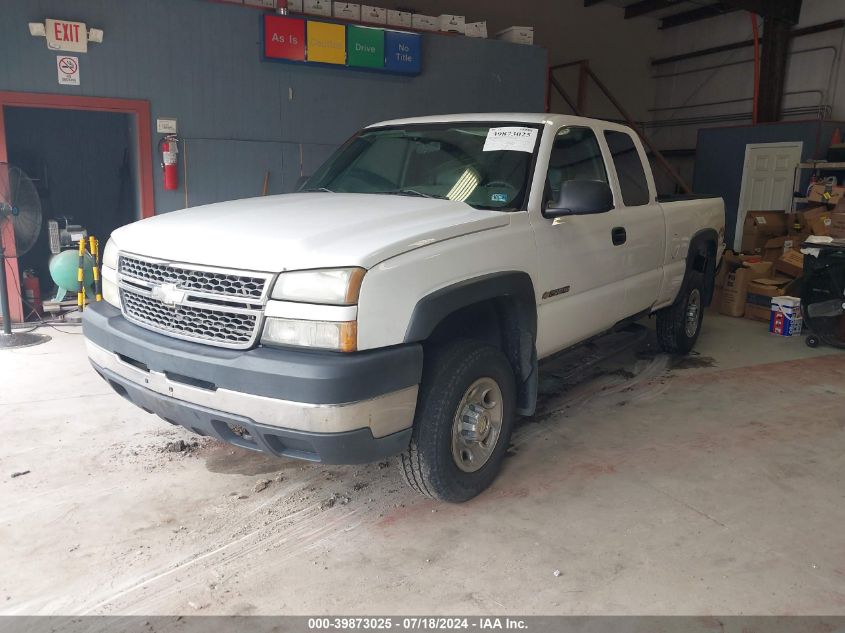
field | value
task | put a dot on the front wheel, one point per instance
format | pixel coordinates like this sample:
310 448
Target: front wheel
465 415
679 325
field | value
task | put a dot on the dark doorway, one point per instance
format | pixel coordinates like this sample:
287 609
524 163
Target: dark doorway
84 166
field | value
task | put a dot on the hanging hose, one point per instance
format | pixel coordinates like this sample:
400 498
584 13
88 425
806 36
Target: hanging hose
756 33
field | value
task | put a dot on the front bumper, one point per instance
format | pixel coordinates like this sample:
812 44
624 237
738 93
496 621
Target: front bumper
320 406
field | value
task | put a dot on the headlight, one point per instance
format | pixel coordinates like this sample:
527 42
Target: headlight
338 336
111 294
339 286
109 259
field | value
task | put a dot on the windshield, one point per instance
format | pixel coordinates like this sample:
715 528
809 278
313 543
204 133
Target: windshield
485 165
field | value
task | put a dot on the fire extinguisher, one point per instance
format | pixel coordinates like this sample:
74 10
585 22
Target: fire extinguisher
32 294
169 148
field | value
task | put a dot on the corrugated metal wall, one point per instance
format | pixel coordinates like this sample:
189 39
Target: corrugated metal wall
201 63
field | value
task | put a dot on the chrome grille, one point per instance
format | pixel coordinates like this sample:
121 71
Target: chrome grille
210 305
228 284
232 329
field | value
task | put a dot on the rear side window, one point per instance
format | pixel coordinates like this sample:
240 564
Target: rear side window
576 155
629 168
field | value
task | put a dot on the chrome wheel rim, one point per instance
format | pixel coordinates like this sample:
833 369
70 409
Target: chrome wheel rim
477 425
693 313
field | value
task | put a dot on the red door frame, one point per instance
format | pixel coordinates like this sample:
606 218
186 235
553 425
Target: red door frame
141 110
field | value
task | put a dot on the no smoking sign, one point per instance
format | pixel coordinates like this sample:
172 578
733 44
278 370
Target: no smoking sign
68 69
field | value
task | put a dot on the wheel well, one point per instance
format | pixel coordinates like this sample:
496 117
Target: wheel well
504 323
702 258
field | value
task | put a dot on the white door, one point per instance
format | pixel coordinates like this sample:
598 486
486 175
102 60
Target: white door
768 177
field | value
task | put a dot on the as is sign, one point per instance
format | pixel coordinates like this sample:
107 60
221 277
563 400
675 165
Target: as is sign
68 69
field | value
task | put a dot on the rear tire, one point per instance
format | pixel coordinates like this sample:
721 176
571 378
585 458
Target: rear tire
679 325
465 416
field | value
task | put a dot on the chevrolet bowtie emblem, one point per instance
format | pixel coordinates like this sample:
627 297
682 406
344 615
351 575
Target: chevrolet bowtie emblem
168 294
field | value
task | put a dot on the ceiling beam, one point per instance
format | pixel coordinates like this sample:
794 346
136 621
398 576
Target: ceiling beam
787 10
701 13
589 3
647 6
833 25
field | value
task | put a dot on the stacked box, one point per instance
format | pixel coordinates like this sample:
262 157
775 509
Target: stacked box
425 22
317 7
476 29
373 15
517 35
453 24
761 226
760 292
404 19
347 11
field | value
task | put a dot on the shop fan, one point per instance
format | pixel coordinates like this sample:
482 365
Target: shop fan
823 297
20 224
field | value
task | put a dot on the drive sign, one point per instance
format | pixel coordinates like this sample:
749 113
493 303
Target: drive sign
284 38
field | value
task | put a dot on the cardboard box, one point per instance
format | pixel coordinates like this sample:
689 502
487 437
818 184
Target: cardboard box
777 246
791 263
347 11
476 29
294 6
422 22
317 7
785 319
517 35
761 291
818 220
453 23
735 289
404 19
373 15
266 4
826 193
837 225
759 227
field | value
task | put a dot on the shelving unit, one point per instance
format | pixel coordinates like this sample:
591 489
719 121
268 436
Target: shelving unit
819 165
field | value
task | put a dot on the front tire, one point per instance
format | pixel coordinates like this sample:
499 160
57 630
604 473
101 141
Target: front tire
465 416
679 325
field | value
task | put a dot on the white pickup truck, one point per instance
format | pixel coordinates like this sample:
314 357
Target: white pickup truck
398 304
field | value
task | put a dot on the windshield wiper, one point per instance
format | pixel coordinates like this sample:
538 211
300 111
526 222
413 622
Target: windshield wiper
317 189
413 192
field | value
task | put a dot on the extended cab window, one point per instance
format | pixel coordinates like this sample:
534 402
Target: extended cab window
575 156
629 168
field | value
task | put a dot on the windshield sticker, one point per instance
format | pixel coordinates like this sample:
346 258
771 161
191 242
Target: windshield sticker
510 139
499 197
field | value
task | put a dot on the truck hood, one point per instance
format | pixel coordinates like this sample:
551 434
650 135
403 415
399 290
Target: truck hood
301 231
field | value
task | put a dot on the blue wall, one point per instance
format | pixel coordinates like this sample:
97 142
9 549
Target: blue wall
201 62
720 156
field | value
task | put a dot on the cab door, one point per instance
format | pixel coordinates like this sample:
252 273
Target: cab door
581 274
641 219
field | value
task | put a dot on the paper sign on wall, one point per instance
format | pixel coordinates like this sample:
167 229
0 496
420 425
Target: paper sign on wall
510 139
68 70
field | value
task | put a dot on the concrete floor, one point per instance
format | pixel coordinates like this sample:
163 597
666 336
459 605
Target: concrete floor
713 485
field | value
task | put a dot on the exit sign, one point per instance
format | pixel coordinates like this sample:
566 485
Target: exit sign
66 36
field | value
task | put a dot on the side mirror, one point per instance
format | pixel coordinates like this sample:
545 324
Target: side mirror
581 197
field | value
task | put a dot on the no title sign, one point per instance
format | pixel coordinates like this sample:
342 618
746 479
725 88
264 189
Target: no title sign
311 41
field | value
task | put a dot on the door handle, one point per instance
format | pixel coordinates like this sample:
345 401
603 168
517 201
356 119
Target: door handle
619 235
